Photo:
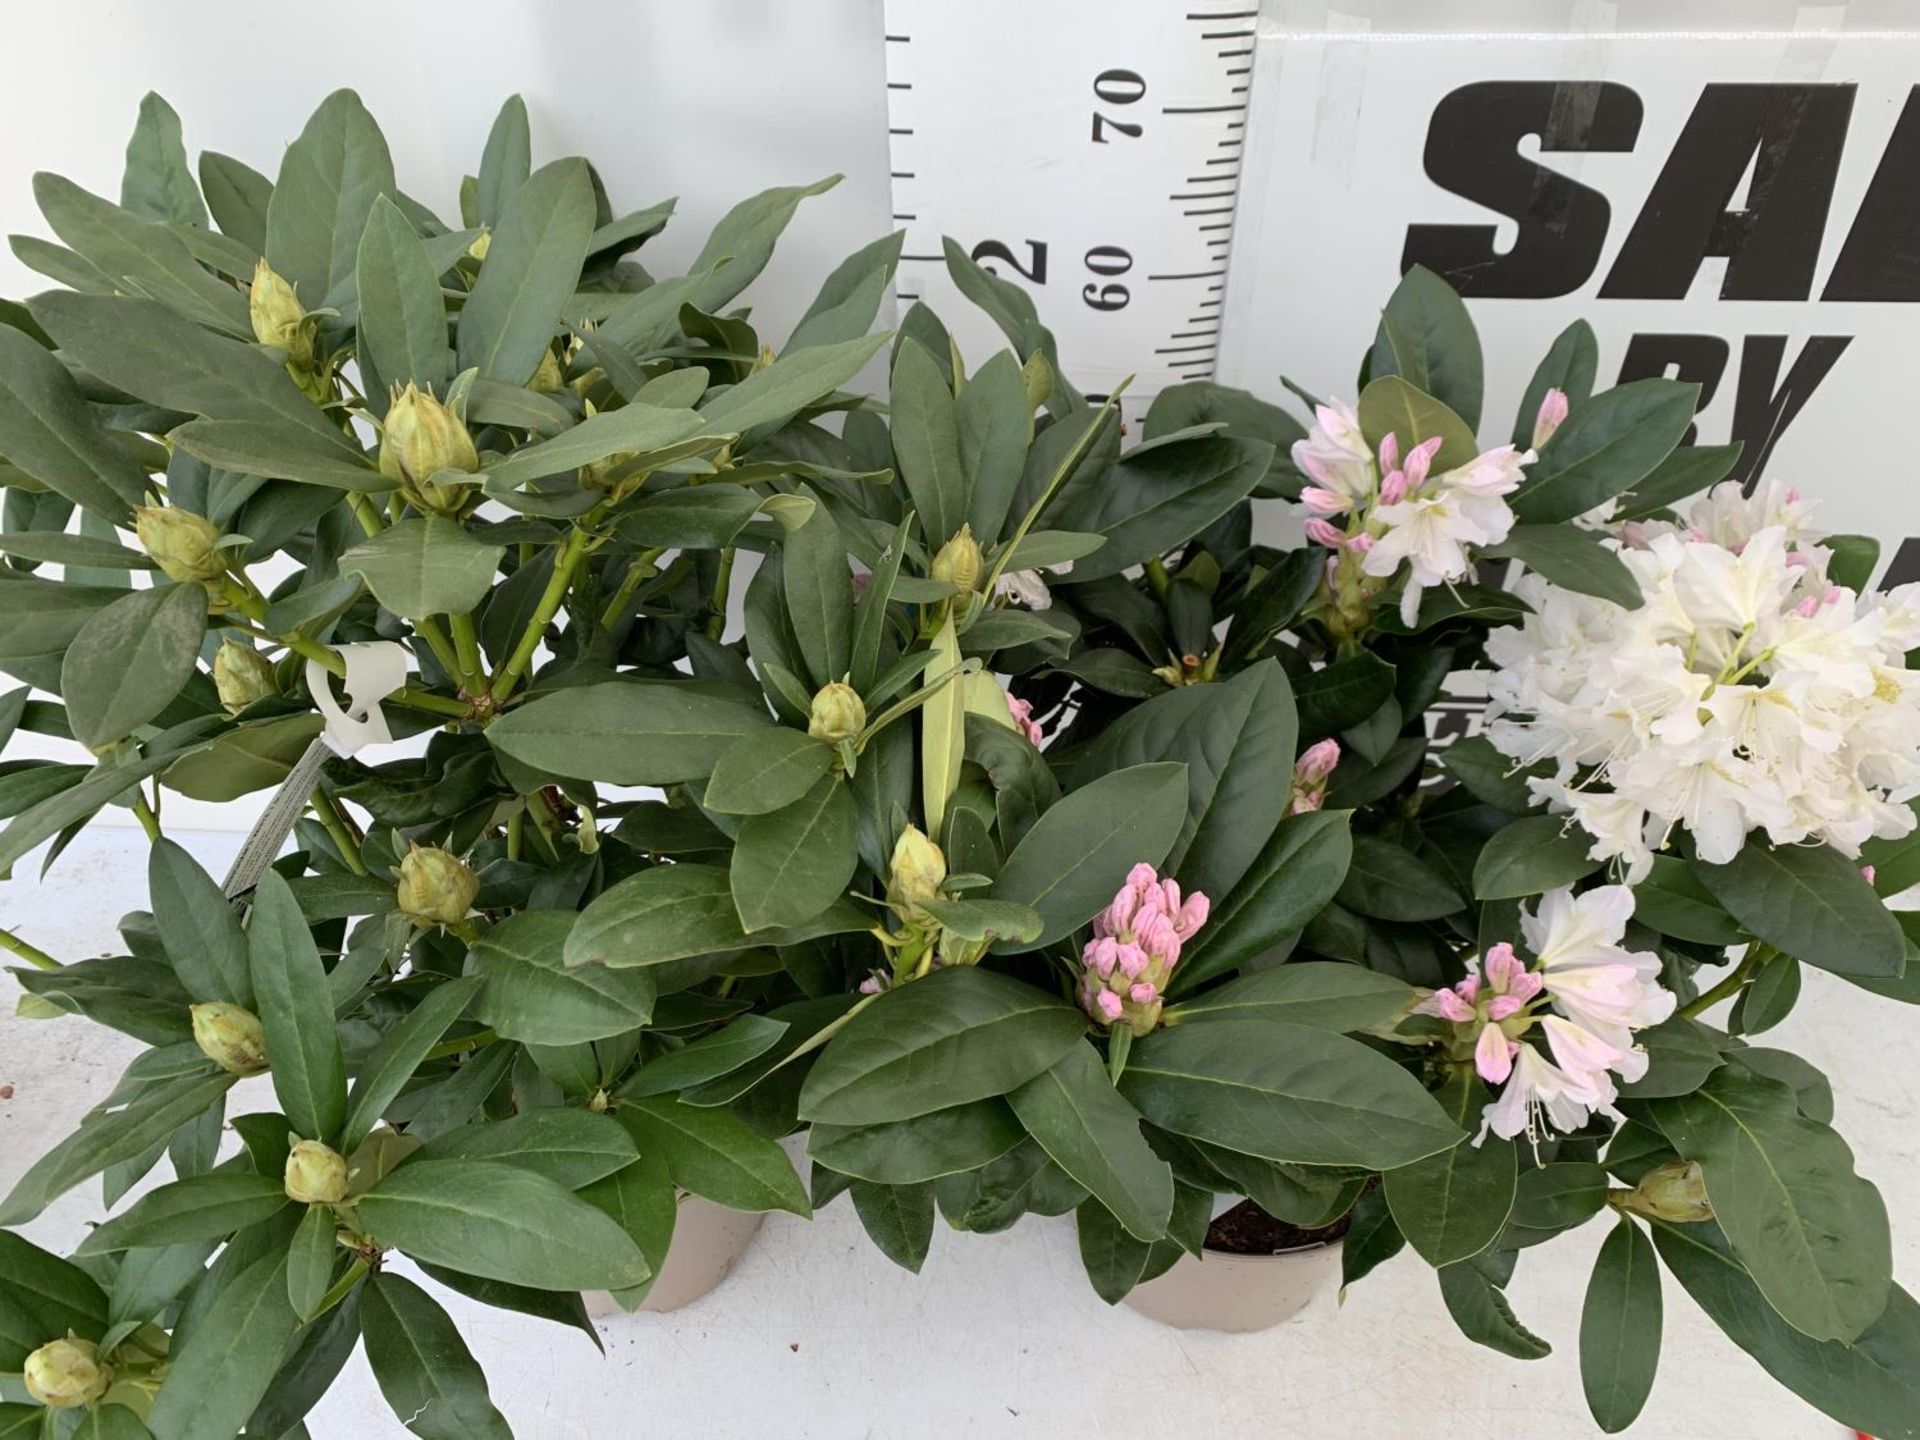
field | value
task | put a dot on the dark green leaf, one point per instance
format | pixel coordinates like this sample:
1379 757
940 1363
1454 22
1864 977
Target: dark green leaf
296 1011
130 660
387 1070
532 266
224 1364
667 913
1285 1092
1620 1328
625 732
1094 1135
423 1367
712 1153
791 864
1426 336
1452 1205
1569 367
48 430
500 1222
532 995
1810 901
1530 856
402 333
959 1034
203 1207
1481 1311
1687 471
1386 882
1572 558
1298 870
906 1152
1078 853
571 1147
898 1218
330 177
1608 445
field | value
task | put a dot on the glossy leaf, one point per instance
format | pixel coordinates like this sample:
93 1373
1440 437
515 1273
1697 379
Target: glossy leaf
385 1072
667 913
500 1222
959 1034
1810 901
791 864
1426 337
202 1207
712 1153
329 179
1078 853
48 430
1300 868
423 1367
1532 855
1091 1133
1452 1205
906 1152
1620 1328
532 267
624 732
296 1011
425 566
402 330
1285 1092
1320 994
227 1360
898 1219
531 994
130 660
1608 445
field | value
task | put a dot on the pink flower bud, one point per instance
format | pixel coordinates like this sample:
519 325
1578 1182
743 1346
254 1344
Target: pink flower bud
1553 410
1867 873
1321 533
1109 1004
1023 721
1389 452
1360 544
1394 488
1323 501
1316 762
1420 460
1493 1055
1143 994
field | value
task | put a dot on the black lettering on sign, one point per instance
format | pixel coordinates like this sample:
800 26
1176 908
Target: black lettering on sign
1881 259
1697 359
1473 150
1762 409
1791 136
1905 567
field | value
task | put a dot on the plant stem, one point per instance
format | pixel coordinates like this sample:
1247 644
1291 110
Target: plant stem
466 646
1757 955
368 517
1156 572
510 673
327 810
32 954
428 629
432 704
149 821
638 573
722 588
461 1044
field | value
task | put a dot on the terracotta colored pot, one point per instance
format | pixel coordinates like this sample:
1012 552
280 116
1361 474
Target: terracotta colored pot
708 1241
1238 1293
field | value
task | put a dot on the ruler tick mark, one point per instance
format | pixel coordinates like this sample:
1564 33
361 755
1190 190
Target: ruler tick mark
901 174
936 259
1191 275
899 84
899 39
899 130
1216 210
1203 109
1229 54
1226 34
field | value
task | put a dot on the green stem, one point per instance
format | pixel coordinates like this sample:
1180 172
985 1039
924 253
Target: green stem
32 954
640 571
327 810
1156 572
509 675
428 629
431 704
913 702
466 646
516 824
149 821
722 587
1757 955
368 517
461 1044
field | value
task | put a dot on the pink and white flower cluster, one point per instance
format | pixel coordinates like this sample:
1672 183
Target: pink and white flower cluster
1583 996
1136 943
1382 510
1747 693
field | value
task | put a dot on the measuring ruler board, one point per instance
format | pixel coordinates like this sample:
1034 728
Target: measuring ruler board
1087 150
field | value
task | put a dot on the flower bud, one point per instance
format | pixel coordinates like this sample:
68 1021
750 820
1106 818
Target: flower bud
436 887
1553 410
837 714
482 243
1310 774
547 375
1676 1191
916 874
242 675
230 1036
958 562
278 317
180 542
65 1374
422 438
315 1174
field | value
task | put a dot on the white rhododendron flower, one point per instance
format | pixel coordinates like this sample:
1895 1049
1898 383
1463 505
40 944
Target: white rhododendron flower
1388 513
1747 693
1583 995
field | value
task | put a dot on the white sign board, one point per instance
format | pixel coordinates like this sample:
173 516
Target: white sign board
1743 211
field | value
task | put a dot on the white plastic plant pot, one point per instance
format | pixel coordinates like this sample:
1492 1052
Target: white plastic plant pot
1238 1293
708 1241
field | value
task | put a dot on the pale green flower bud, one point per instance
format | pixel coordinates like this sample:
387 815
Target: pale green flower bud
422 438
1037 378
917 872
547 376
958 562
278 317
66 1374
436 887
231 1036
482 243
180 542
1676 1191
837 714
242 675
315 1174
